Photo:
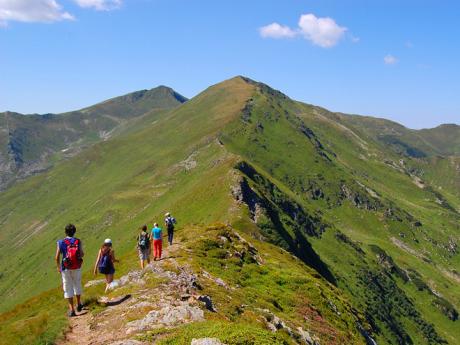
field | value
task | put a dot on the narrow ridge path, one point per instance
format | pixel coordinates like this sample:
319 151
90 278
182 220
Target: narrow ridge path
109 326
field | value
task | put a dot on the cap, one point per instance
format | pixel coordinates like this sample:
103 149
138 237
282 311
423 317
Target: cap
108 241
167 214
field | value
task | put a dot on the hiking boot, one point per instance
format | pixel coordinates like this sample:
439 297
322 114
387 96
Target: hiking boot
71 313
79 307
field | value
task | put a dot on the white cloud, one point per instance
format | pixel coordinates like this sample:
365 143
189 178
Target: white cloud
100 5
323 32
390 60
275 30
44 11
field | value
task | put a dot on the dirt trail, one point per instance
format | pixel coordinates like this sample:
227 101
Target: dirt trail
80 332
111 326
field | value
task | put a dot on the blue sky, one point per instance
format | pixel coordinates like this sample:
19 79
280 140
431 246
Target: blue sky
393 59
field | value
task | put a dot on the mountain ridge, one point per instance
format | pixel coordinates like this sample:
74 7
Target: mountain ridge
28 143
340 208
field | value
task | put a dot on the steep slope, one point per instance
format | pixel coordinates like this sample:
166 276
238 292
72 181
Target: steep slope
354 211
31 143
443 140
290 178
446 138
176 163
434 153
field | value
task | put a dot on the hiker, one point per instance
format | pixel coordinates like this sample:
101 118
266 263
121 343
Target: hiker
143 246
169 223
104 262
69 267
157 241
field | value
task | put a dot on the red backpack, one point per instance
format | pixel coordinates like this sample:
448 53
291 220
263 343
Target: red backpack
72 260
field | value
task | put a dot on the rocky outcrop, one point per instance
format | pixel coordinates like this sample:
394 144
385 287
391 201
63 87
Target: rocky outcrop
359 197
275 324
167 315
347 240
446 308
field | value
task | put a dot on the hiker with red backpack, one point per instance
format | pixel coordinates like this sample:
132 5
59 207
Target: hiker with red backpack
69 267
104 262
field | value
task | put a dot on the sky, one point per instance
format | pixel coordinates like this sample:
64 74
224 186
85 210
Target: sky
393 59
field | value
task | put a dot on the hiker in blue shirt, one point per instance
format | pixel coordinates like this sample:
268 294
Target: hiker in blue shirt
157 235
69 267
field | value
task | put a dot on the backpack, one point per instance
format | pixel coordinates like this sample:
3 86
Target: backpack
170 221
144 241
105 262
72 259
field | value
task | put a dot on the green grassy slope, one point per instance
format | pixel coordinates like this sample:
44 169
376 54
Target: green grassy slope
442 140
282 173
434 153
111 187
175 165
31 143
382 233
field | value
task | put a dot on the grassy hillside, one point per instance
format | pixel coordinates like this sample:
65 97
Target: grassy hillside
352 210
292 178
31 143
256 282
443 140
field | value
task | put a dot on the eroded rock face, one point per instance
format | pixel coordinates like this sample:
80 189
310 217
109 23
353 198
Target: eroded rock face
168 315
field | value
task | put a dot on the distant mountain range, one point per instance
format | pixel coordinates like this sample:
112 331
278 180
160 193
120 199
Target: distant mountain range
302 226
32 143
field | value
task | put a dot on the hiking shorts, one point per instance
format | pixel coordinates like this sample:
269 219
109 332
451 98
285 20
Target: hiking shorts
107 270
144 254
71 282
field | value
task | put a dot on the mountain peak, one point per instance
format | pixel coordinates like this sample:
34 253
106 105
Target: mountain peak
156 93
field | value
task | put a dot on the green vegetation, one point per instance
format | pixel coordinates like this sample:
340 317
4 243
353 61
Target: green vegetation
229 333
32 143
370 218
